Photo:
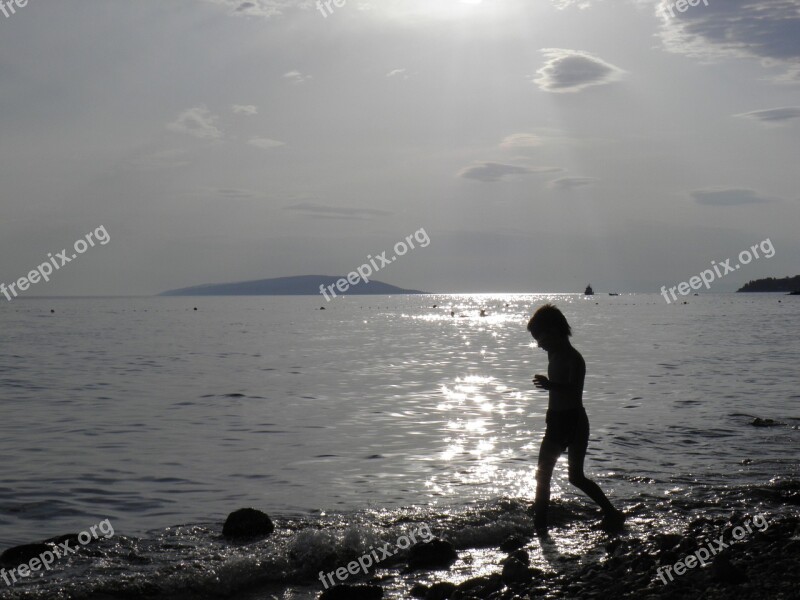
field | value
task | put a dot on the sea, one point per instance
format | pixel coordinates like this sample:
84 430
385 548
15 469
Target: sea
359 424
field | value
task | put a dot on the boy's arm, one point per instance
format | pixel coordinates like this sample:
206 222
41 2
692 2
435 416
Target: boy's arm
559 386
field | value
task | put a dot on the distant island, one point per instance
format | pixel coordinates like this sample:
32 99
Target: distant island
770 284
303 285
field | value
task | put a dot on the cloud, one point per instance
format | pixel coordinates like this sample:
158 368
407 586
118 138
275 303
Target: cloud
562 4
336 212
235 193
773 115
244 109
265 143
573 71
571 183
791 76
521 140
256 8
296 77
491 172
721 196
767 30
198 122
397 73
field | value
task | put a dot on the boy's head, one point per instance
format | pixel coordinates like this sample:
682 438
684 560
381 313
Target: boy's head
548 324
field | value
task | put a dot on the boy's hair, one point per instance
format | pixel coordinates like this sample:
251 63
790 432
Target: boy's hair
550 318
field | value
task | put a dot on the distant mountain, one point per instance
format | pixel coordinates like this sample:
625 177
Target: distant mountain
303 285
770 284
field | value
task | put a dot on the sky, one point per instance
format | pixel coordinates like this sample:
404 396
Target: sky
541 144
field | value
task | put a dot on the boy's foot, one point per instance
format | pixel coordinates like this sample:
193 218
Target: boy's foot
613 521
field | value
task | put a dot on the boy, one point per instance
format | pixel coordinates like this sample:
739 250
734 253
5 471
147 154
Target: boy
567 423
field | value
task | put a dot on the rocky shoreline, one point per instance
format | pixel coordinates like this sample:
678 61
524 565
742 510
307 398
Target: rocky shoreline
763 564
741 556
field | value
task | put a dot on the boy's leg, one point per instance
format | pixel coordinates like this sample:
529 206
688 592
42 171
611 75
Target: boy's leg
576 455
549 452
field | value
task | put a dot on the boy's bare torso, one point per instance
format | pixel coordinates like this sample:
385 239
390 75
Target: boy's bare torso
567 369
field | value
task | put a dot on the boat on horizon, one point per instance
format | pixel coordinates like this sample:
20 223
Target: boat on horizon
588 291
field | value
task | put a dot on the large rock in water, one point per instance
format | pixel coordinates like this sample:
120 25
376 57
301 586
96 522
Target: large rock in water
23 554
247 523
353 592
19 555
436 554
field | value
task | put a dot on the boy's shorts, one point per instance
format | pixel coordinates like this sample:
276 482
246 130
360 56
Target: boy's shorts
567 427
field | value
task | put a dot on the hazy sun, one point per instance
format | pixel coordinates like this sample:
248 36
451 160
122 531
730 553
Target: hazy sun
441 9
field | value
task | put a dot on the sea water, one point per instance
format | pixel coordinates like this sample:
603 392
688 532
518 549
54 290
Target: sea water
352 425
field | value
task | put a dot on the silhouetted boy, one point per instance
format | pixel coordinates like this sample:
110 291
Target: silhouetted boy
567 423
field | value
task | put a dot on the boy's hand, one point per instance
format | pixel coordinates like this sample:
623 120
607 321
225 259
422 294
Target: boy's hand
541 382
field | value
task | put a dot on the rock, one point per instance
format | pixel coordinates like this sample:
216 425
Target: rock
435 554
513 542
669 541
759 422
247 523
724 570
482 587
23 554
419 590
440 591
515 571
353 592
667 557
522 556
72 538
